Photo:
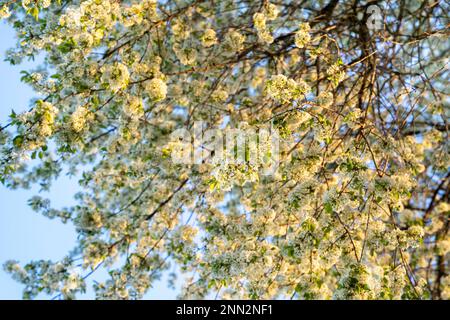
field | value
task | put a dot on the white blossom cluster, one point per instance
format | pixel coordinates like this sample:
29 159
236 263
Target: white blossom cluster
357 207
281 88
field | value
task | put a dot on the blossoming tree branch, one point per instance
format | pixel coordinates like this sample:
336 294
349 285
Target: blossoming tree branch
356 91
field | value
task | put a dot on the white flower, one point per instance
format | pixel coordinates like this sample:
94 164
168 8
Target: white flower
47 114
259 20
335 73
281 88
84 39
219 95
26 3
188 233
180 29
265 36
79 118
133 15
271 11
234 41
45 3
156 89
115 76
134 107
4 12
209 38
186 55
302 37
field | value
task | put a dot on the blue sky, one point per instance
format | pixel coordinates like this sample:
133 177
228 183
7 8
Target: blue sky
26 235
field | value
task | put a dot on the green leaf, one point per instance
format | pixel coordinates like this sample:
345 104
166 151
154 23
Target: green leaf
328 208
35 13
18 141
